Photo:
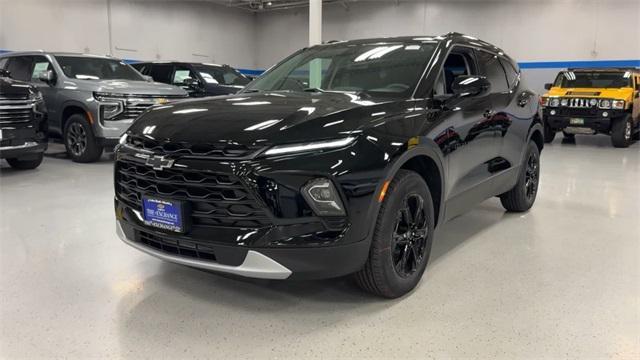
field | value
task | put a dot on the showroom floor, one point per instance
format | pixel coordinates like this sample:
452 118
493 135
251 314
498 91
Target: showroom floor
559 281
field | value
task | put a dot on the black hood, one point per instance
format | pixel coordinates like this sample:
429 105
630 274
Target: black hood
263 118
14 89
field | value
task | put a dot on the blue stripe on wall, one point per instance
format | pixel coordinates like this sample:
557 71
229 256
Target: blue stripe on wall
579 64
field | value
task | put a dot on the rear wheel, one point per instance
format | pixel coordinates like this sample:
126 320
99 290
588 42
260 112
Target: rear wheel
568 135
402 238
621 132
522 196
79 140
26 164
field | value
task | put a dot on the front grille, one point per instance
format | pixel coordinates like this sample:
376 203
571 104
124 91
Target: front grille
215 199
180 247
579 103
135 105
15 111
219 150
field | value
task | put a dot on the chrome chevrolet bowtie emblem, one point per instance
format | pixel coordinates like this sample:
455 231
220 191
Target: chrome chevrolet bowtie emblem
159 162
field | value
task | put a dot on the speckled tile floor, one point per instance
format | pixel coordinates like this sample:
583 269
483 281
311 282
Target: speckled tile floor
560 281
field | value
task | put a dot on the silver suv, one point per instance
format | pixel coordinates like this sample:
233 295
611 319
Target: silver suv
91 99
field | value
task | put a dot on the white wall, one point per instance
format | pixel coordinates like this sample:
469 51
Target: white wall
529 30
168 30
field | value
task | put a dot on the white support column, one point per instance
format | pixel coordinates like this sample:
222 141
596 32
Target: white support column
315 22
315 38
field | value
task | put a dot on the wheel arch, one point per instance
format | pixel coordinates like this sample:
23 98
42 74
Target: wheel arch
427 161
71 108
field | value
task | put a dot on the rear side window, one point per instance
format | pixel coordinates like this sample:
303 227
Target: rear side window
3 63
20 68
513 77
161 73
491 68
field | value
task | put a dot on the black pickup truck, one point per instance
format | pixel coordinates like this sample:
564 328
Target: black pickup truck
23 123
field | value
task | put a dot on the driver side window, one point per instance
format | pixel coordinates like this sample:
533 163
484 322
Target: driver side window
458 63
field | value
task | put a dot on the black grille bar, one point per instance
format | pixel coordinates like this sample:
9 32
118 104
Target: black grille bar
216 199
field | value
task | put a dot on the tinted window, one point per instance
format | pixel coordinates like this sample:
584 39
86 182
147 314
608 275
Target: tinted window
381 69
40 65
512 74
587 79
89 68
224 75
20 67
181 74
161 73
491 68
141 67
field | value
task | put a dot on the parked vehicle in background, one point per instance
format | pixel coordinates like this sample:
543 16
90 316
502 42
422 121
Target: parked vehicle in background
23 123
591 101
196 78
91 100
341 159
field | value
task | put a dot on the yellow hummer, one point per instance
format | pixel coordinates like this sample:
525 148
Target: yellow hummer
591 101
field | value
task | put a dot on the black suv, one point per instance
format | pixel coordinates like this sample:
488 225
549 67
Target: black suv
341 159
23 123
197 79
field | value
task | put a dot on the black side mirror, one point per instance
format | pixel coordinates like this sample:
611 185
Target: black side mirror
47 77
5 73
191 83
548 86
470 85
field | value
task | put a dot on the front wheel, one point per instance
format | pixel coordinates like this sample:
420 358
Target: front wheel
402 238
79 140
22 164
621 132
522 196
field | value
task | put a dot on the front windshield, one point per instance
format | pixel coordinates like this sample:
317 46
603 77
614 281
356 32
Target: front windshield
223 75
89 68
584 79
381 69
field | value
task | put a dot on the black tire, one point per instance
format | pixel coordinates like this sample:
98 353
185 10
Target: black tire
399 250
522 196
26 164
79 140
568 135
622 132
549 133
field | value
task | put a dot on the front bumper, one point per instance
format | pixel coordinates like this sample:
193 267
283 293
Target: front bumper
260 263
241 210
598 120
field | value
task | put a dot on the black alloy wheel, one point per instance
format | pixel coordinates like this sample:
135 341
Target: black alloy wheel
76 139
532 175
402 238
409 236
522 196
82 146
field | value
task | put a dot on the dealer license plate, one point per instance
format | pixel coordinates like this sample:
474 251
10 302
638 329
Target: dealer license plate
576 121
163 214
